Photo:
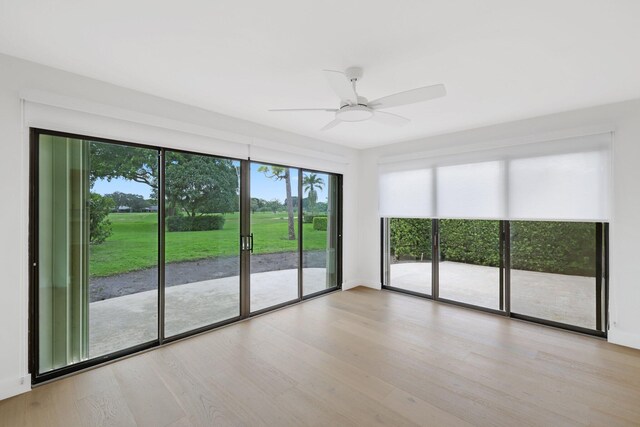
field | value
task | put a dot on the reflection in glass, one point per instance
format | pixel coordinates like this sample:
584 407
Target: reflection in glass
469 268
410 254
202 263
553 271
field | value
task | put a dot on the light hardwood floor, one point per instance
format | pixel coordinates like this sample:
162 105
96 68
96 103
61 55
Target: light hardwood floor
361 357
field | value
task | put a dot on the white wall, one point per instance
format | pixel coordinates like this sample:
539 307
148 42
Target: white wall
623 118
115 111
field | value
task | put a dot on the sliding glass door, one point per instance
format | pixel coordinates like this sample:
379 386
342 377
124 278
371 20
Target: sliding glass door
97 249
470 265
556 272
409 263
320 231
274 239
202 246
550 272
135 246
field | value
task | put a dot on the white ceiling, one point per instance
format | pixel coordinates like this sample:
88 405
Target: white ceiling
501 60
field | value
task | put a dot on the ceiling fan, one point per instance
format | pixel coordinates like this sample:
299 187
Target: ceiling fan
356 108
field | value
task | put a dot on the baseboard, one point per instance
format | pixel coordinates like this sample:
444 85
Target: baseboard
626 339
356 283
14 386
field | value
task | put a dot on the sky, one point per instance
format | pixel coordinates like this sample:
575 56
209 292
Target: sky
261 186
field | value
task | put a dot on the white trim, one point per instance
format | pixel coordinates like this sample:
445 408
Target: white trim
497 144
14 386
103 110
78 113
615 336
355 283
23 322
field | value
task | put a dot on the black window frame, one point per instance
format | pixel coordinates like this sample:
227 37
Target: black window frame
33 321
602 278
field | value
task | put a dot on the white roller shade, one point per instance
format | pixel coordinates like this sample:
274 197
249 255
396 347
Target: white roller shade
567 180
564 187
406 193
472 190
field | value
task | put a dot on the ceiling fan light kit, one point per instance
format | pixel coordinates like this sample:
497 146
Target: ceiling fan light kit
356 108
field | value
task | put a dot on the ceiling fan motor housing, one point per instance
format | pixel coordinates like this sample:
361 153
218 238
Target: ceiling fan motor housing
354 113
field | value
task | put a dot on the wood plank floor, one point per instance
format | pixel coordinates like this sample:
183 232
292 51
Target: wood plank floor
360 357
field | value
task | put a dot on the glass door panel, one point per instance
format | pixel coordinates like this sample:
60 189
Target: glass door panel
409 265
97 257
319 232
470 262
202 246
553 271
274 214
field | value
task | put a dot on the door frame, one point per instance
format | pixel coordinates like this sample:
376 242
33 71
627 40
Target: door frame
246 232
601 284
33 310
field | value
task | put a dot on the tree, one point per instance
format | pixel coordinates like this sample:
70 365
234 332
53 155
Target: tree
274 205
135 201
257 204
201 184
282 174
109 161
310 184
196 184
99 225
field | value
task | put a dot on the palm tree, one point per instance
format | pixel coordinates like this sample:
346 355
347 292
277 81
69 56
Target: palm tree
311 183
279 173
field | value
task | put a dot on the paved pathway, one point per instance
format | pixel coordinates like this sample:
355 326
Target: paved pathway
559 297
121 322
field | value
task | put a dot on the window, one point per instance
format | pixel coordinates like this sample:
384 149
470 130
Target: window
546 271
134 246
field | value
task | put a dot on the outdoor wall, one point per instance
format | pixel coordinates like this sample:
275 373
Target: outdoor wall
68 102
622 118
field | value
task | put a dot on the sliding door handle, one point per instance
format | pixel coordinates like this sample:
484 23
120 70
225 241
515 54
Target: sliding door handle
251 242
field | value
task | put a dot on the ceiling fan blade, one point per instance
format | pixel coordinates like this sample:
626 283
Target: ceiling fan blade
389 119
331 124
342 86
331 110
410 96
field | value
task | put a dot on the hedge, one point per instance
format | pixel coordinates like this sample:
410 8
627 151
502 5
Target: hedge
555 247
307 218
320 223
196 223
411 238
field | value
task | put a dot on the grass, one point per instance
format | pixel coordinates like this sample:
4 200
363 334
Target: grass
134 242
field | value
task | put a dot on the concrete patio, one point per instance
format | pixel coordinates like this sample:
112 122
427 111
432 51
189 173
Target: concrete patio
558 297
121 322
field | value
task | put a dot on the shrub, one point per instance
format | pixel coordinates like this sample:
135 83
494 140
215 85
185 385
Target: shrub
307 218
553 247
195 223
411 238
471 242
320 223
99 225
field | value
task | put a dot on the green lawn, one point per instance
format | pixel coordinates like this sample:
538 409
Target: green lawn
134 242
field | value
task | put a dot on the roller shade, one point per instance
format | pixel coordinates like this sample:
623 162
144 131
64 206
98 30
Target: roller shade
406 193
563 187
470 190
567 179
